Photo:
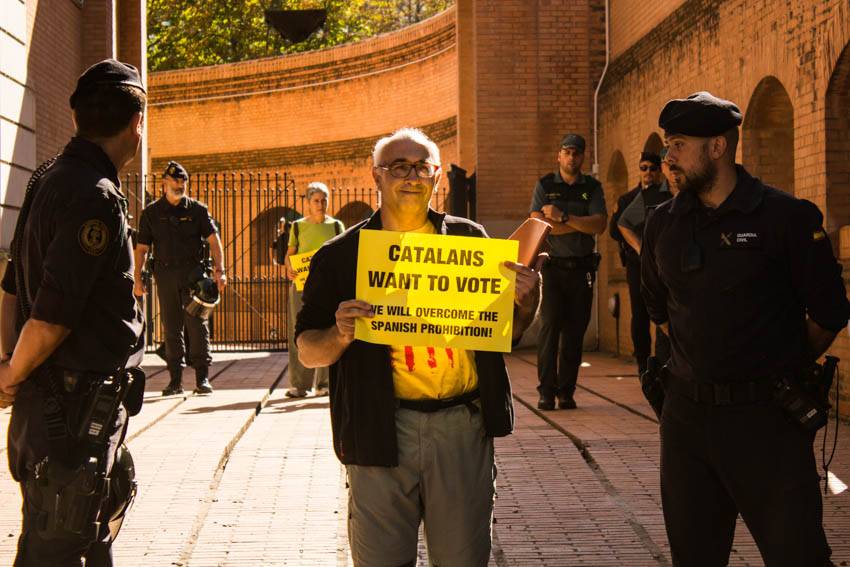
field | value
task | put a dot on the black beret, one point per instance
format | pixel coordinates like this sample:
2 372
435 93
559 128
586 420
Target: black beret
109 72
651 157
573 141
175 170
702 115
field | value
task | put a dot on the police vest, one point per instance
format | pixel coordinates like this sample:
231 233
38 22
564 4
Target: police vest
572 199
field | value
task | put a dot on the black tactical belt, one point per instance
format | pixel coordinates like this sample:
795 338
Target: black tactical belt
716 394
573 263
176 263
431 406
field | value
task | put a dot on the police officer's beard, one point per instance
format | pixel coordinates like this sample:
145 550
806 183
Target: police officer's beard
698 182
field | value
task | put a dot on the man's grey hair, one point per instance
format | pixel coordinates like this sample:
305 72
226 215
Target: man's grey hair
412 134
317 187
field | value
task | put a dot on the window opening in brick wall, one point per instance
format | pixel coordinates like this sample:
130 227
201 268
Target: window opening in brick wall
653 144
616 183
838 146
768 135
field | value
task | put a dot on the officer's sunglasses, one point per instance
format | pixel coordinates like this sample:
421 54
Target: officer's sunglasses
649 168
401 169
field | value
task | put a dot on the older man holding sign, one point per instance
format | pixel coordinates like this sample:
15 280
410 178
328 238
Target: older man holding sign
414 421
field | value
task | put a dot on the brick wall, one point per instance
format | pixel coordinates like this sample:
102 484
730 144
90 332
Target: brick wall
536 65
787 67
54 62
315 115
635 19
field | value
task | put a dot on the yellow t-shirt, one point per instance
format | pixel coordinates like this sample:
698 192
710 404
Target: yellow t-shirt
431 372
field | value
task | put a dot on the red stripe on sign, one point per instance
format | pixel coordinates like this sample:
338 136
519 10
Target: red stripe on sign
408 357
450 353
432 357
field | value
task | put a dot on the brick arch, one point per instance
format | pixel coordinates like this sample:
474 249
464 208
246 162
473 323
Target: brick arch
353 212
768 135
263 231
838 146
616 183
653 143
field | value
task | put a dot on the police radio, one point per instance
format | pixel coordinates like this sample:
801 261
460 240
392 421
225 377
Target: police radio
806 401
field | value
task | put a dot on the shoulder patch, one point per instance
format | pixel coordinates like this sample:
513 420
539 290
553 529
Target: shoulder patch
819 234
93 237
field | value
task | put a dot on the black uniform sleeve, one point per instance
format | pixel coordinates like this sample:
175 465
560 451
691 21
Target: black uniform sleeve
145 234
9 284
208 227
652 288
815 274
321 296
83 246
613 227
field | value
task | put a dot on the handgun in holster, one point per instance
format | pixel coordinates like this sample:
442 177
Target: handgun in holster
70 492
652 384
805 398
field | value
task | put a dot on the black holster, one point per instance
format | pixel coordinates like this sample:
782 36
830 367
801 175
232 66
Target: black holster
70 486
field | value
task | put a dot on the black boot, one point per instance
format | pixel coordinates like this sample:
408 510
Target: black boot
202 382
175 386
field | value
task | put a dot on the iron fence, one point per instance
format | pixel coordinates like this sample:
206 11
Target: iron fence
247 208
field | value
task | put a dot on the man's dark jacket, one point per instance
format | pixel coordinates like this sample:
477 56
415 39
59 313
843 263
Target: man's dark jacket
627 253
362 395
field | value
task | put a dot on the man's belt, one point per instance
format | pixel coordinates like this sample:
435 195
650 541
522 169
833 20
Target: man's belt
721 394
431 406
574 262
177 263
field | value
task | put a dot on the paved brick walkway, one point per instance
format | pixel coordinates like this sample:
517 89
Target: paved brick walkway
248 477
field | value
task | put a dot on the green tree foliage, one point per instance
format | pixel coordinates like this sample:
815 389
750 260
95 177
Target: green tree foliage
192 33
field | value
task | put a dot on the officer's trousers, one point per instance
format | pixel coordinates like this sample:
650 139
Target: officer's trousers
564 314
172 289
721 461
640 325
299 376
27 442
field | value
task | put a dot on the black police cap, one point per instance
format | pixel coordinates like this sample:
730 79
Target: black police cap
573 141
650 157
109 72
175 170
702 115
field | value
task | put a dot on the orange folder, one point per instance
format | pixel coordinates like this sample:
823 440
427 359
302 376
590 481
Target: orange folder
531 235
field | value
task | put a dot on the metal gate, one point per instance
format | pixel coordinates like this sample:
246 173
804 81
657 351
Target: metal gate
248 207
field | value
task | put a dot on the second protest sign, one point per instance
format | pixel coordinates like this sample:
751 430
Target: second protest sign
436 290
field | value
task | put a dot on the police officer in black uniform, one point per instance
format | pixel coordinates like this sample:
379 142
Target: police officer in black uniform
573 203
177 226
69 292
745 277
626 228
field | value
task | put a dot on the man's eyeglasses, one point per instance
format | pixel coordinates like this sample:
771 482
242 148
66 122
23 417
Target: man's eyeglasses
649 168
401 169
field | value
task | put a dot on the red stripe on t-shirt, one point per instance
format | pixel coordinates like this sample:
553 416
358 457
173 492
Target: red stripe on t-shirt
432 357
408 357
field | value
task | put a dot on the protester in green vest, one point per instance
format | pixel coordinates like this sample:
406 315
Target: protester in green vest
306 235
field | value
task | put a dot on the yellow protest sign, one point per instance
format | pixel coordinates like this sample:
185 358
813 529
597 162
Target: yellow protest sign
436 290
301 264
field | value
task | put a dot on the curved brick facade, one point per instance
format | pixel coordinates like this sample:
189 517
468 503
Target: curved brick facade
314 115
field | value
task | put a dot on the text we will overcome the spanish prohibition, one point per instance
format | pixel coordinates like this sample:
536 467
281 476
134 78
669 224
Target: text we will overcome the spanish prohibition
436 290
